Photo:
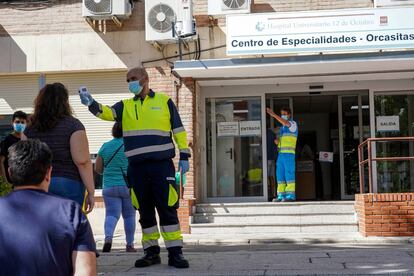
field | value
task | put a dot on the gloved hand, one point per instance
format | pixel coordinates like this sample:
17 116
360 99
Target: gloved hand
183 166
85 96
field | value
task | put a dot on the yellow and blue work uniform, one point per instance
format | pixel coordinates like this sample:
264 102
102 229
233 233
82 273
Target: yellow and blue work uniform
285 165
149 126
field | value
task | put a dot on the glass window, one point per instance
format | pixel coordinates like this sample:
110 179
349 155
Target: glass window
234 147
395 118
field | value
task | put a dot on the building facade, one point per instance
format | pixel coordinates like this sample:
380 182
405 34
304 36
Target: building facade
338 96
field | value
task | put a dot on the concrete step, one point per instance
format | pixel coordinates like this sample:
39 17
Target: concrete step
288 219
322 207
275 228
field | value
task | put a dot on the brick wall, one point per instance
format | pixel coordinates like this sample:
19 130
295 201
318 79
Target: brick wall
58 16
184 213
385 215
65 16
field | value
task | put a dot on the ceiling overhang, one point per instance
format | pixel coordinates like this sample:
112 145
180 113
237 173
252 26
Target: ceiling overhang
299 69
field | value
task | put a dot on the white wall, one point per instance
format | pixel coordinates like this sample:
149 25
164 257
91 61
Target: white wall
74 51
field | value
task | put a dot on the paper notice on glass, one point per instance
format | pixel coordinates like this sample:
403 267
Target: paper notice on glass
250 128
227 129
325 156
388 123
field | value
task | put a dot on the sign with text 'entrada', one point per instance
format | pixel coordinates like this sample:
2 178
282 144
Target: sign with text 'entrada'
327 31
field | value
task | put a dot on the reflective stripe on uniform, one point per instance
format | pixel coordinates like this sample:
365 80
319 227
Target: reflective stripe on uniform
170 228
150 236
172 235
149 243
281 187
290 187
146 132
153 229
185 151
150 149
113 113
287 150
178 130
176 243
289 134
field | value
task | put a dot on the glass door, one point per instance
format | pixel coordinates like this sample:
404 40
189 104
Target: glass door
234 149
272 130
394 116
355 122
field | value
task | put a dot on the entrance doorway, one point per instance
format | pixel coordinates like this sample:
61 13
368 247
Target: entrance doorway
319 117
234 150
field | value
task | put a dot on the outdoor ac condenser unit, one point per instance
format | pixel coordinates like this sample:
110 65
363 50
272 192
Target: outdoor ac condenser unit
166 19
106 9
218 7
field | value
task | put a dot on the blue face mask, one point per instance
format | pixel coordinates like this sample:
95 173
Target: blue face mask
135 87
19 127
285 117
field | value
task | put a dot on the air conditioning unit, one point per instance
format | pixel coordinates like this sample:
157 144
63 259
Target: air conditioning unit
165 20
106 9
218 7
388 3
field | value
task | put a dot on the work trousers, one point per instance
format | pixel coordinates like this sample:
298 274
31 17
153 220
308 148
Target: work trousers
155 187
285 172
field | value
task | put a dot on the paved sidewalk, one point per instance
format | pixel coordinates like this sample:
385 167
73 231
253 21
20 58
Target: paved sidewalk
274 259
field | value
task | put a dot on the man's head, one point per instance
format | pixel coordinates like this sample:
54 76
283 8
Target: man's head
285 113
138 81
19 121
30 163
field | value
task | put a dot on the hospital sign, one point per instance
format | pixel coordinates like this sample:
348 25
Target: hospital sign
326 31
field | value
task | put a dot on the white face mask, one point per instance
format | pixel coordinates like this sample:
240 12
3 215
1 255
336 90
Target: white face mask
285 117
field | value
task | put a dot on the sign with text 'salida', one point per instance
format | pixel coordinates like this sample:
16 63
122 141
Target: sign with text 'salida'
323 31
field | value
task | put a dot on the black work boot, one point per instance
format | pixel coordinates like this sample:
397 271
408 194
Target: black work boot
178 261
151 257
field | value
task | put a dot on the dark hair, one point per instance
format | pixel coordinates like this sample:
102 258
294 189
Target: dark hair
28 162
19 114
286 109
51 105
117 130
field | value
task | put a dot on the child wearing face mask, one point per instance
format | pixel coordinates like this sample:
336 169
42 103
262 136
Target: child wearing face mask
19 120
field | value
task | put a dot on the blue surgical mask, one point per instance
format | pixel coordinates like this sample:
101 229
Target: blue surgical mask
285 117
135 87
19 127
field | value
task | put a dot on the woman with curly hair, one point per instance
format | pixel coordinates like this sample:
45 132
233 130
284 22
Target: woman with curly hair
52 122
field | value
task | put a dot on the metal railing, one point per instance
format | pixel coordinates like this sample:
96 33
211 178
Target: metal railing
362 162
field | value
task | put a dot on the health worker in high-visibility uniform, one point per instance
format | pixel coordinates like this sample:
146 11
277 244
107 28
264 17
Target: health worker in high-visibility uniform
285 165
150 122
